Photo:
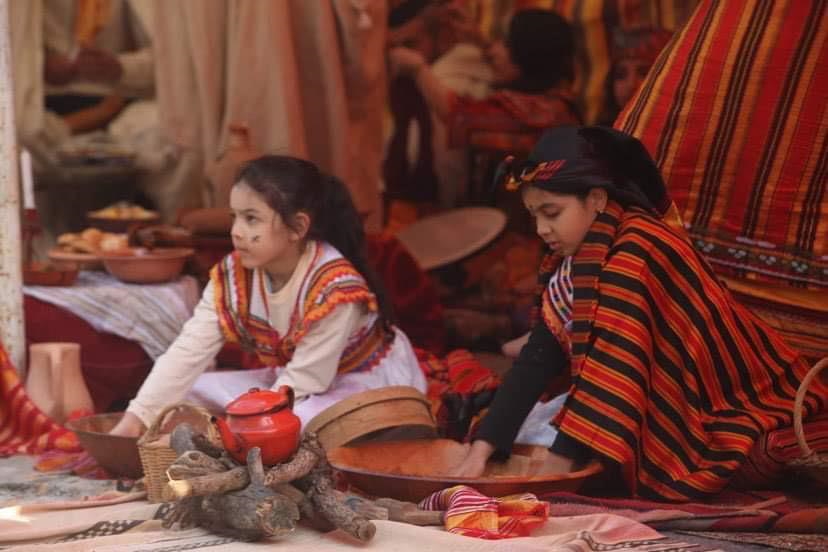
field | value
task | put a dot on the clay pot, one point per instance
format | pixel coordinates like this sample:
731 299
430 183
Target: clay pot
222 174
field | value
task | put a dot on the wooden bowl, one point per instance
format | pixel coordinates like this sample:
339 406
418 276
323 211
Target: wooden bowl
412 470
117 455
367 413
146 266
42 274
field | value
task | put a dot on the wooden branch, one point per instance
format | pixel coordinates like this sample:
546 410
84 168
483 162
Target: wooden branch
199 460
178 472
181 438
299 466
341 516
362 506
206 446
254 467
408 512
231 480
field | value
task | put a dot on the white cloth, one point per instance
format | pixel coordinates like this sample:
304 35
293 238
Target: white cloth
312 372
151 315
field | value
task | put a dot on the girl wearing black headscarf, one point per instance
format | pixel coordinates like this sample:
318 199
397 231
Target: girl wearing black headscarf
668 380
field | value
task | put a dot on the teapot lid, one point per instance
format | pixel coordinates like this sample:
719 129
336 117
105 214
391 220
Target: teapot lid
257 401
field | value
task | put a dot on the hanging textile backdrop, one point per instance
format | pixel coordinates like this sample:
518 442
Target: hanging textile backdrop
734 114
305 77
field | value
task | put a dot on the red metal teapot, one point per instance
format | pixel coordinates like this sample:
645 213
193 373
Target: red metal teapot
264 419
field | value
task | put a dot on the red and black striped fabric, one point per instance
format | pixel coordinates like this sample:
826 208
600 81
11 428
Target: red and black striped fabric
734 115
671 378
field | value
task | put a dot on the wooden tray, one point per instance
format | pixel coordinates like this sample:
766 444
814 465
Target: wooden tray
84 261
412 470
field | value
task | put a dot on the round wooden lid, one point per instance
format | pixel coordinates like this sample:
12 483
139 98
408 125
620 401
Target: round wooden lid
363 399
444 238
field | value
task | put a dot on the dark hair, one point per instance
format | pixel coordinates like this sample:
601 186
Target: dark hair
290 185
542 44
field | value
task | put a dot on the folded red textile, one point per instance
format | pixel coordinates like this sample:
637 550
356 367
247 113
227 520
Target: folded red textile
473 514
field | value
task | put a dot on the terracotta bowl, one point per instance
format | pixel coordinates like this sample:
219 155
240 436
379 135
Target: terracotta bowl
146 266
117 455
412 470
83 261
42 274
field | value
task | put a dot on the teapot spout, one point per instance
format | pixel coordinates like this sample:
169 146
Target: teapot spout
228 438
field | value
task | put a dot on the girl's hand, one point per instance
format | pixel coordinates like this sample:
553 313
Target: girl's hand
129 426
405 60
474 464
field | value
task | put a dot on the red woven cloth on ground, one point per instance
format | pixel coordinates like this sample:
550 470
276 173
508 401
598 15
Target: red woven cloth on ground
24 429
770 512
459 388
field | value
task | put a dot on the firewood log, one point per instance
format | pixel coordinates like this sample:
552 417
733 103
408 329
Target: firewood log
253 513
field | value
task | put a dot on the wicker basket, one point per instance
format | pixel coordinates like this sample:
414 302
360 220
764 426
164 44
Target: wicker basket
155 451
812 463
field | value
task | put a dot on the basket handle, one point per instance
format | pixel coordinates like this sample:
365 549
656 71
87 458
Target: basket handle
151 434
799 403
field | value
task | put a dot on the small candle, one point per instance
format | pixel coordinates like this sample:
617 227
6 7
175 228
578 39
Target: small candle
28 181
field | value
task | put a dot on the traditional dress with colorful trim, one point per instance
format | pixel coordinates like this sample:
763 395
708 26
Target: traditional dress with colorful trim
670 378
370 359
319 333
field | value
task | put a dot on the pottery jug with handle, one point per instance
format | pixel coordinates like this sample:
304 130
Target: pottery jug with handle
55 382
222 173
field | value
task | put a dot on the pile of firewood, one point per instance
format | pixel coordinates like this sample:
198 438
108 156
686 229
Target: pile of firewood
211 490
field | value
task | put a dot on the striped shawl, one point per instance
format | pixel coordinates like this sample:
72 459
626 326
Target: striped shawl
671 379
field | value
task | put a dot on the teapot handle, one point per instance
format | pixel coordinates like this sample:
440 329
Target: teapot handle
287 390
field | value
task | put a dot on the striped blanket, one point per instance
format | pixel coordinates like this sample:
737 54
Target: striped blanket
151 315
734 114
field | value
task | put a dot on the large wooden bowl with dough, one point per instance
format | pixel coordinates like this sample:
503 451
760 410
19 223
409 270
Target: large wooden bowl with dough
412 470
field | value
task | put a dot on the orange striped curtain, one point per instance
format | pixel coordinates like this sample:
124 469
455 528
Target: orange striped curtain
594 22
734 113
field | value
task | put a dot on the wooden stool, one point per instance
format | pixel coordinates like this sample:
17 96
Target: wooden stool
55 382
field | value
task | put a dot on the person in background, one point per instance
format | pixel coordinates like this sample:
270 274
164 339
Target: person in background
670 381
633 53
297 292
533 71
98 56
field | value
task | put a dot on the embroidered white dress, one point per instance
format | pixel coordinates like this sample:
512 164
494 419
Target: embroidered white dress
179 374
